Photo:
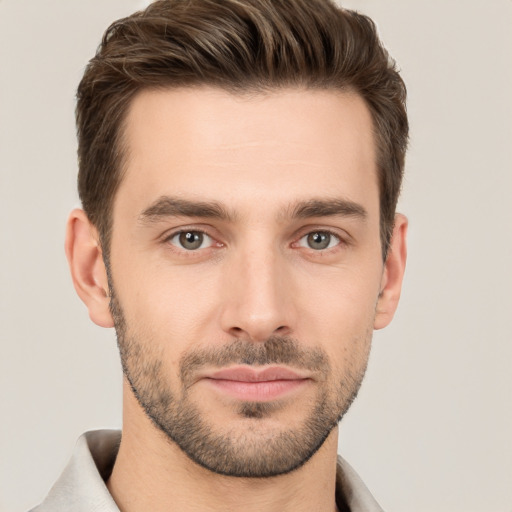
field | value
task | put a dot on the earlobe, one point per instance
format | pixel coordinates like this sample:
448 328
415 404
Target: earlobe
394 268
85 258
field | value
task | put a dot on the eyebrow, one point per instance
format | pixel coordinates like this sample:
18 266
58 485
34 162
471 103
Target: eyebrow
328 208
167 206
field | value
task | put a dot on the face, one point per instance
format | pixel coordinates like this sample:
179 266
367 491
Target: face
245 269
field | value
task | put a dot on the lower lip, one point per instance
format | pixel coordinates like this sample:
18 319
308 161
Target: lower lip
257 391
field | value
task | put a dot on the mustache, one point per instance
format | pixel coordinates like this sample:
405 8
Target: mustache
273 351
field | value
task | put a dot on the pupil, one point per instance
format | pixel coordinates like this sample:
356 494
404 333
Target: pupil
319 240
191 240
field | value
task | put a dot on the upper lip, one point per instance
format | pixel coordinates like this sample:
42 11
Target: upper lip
247 374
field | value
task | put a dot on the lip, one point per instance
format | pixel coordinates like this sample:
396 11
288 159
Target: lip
256 385
247 374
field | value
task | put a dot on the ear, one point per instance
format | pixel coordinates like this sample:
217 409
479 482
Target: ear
88 272
392 276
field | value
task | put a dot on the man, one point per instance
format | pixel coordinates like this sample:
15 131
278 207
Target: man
239 167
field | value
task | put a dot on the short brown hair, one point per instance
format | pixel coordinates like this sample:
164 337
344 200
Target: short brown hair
238 45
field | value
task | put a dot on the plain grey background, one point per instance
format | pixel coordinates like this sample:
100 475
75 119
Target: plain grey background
431 429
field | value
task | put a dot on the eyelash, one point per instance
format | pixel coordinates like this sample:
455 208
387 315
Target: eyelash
341 241
190 252
330 233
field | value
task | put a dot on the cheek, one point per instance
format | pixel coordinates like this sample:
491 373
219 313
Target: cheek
338 312
170 306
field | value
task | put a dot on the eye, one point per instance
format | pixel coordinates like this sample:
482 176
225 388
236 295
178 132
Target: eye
191 240
319 240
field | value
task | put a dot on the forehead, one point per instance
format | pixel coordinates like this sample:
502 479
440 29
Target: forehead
264 148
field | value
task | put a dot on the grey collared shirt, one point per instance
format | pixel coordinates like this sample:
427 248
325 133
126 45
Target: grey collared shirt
81 487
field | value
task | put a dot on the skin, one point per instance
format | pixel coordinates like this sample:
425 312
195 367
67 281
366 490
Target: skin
258 157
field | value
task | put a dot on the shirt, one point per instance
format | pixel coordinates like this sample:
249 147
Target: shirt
82 488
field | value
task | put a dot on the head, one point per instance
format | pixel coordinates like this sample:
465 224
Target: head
240 163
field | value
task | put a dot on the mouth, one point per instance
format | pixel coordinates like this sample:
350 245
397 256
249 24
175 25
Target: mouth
263 385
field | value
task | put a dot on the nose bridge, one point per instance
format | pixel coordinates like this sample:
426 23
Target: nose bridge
257 304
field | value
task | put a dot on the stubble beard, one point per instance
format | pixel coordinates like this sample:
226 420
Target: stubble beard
254 452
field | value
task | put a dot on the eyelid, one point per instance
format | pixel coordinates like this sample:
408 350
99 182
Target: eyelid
343 236
206 231
207 239
199 228
330 233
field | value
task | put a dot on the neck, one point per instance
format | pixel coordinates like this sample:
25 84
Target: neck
152 473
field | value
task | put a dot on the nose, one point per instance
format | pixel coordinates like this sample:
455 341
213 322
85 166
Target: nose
258 301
